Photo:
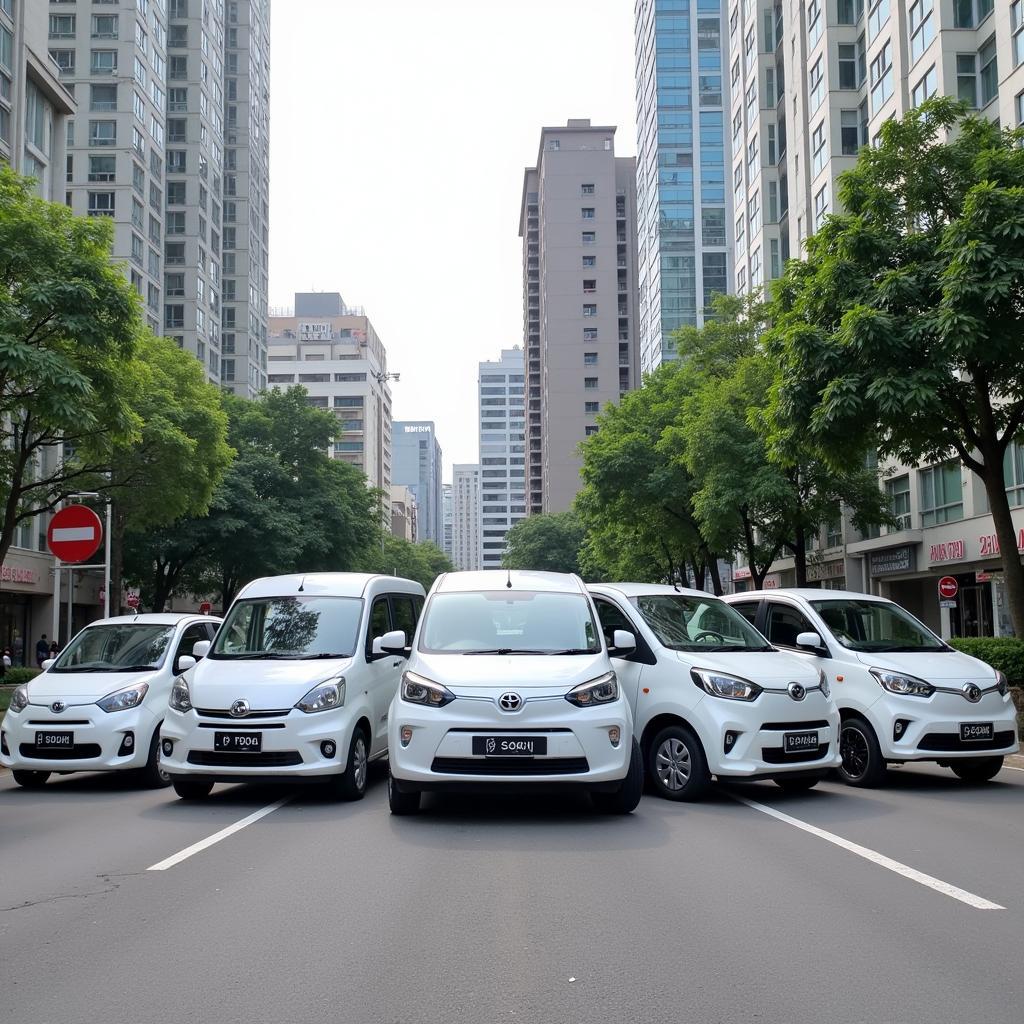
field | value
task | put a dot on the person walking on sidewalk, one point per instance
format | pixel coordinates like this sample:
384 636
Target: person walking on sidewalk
42 650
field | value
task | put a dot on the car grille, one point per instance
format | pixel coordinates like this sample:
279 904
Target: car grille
59 723
794 726
950 741
218 713
776 755
72 753
241 759
510 766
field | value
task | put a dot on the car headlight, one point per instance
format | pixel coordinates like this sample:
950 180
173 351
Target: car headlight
417 689
181 699
122 700
19 699
1002 683
904 685
825 688
323 697
602 690
718 684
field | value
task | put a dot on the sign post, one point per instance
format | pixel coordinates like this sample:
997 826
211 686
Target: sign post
74 535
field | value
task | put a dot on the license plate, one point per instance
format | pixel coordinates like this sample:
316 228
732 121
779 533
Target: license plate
976 732
238 741
510 746
55 739
798 742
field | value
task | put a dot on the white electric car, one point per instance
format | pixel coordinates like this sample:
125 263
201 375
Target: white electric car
710 697
295 687
903 693
99 705
509 685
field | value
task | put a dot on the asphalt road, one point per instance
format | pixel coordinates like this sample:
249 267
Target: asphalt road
515 909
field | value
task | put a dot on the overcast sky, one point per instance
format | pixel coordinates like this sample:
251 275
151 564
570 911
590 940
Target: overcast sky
399 133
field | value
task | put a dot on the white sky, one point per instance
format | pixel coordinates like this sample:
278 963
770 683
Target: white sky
399 133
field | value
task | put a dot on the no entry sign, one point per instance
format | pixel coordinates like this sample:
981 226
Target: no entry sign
948 588
75 534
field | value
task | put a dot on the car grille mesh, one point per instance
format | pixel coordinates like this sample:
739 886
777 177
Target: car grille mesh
510 766
241 759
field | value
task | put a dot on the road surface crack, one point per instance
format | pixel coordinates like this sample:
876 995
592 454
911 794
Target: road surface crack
109 886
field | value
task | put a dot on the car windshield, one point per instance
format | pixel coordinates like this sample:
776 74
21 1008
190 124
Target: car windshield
122 647
685 623
876 626
509 622
290 628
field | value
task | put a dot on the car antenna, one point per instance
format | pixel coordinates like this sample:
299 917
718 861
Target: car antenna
302 585
508 582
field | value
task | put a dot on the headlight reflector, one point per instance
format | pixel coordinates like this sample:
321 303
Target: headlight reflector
19 699
903 685
718 684
417 689
323 697
181 699
601 690
122 700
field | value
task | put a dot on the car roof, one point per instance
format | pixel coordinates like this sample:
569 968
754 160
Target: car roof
332 584
810 594
647 589
154 618
499 579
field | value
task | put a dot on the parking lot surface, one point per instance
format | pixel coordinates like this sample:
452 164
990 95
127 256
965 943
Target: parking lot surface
891 906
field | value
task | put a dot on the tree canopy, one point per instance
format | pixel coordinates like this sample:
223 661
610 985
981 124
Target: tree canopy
549 542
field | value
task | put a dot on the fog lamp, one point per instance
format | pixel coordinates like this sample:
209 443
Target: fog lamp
168 748
328 748
405 735
614 735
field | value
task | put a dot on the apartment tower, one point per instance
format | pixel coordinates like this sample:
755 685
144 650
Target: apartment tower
416 464
467 547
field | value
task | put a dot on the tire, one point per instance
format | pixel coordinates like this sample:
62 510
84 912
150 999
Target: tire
797 783
351 784
402 803
863 765
624 799
977 769
676 765
191 789
30 780
153 776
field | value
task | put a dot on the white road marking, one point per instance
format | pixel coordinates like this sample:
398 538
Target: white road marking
1013 768
224 833
74 533
978 902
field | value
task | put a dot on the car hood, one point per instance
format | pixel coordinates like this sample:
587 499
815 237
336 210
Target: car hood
932 666
463 673
766 668
82 687
266 685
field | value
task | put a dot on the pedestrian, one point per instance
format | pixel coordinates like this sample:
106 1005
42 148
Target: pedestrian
5 662
42 650
54 649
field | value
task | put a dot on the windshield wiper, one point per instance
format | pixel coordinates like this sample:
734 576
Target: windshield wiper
506 650
575 650
252 656
132 668
85 668
325 654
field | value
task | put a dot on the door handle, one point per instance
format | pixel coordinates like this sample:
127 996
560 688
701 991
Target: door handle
395 664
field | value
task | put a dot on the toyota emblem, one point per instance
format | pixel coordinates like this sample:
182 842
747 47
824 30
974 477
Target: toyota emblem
240 709
58 706
972 692
510 701
796 691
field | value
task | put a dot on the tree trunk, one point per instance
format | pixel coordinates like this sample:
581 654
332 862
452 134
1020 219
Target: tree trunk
116 560
699 573
1013 571
800 554
716 576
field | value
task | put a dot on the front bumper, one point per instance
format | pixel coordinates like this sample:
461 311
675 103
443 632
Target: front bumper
440 753
100 742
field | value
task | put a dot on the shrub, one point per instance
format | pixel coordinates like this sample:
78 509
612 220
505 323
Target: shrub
17 676
1005 653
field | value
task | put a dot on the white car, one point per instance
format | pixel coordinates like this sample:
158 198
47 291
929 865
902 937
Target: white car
99 705
903 693
509 685
710 697
295 687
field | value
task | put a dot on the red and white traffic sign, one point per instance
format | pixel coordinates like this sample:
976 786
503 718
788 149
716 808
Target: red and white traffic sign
205 608
948 588
75 534
132 599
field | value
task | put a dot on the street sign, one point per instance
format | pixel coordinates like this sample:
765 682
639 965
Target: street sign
947 604
74 534
205 608
132 599
948 588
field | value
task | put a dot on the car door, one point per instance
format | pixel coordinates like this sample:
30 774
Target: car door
379 670
783 623
187 639
629 667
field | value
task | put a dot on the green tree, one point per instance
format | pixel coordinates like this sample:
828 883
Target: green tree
395 556
69 329
902 328
549 542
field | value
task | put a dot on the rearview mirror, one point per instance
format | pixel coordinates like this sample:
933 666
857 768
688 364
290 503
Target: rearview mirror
811 640
200 649
390 643
185 662
623 641
46 664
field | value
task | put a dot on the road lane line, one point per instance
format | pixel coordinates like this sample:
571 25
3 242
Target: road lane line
1013 768
224 833
978 902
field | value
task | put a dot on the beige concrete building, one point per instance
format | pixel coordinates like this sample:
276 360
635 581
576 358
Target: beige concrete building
403 513
467 546
578 225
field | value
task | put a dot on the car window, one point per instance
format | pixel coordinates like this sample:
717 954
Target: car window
748 609
612 618
380 622
785 624
405 614
211 629
192 635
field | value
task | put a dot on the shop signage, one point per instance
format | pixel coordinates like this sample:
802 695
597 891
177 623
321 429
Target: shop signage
420 429
772 582
982 577
989 543
894 560
947 551
948 588
743 573
315 332
15 574
826 570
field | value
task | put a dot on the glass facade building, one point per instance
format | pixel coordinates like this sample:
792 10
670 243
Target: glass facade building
683 207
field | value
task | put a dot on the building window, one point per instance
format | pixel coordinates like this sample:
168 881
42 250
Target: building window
775 270
1013 473
1020 108
176 161
102 168
101 204
589 430
590 383
174 254
586 190
754 214
814 21
102 133
817 149
589 286
881 77
967 78
176 222
175 193
1017 28
922 27
103 97
590 334
103 62
942 498
590 359
898 492
62 26
925 88
968 13
104 26
756 271
817 84
65 60
848 66
850 132
590 261
591 408
589 309
587 213
589 237
849 12
820 207
878 15
989 75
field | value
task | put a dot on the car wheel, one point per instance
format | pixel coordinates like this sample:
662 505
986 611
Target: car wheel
676 764
153 776
797 783
862 765
351 785
30 780
400 801
191 789
624 799
977 769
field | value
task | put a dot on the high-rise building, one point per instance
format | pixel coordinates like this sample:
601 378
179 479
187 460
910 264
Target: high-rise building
403 514
34 103
682 104
467 549
502 451
336 355
416 464
577 222
446 518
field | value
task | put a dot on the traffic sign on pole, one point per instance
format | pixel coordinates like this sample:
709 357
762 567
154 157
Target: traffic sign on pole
948 588
75 534
132 599
205 608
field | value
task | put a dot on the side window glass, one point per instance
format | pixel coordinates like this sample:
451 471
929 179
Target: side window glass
748 610
211 630
404 612
785 624
380 622
192 635
612 618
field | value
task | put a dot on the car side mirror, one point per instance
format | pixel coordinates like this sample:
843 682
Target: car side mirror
185 662
623 642
811 640
390 643
47 664
200 649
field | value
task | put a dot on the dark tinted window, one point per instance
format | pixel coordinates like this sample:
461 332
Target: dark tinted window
748 609
612 618
380 621
405 614
785 624
192 635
